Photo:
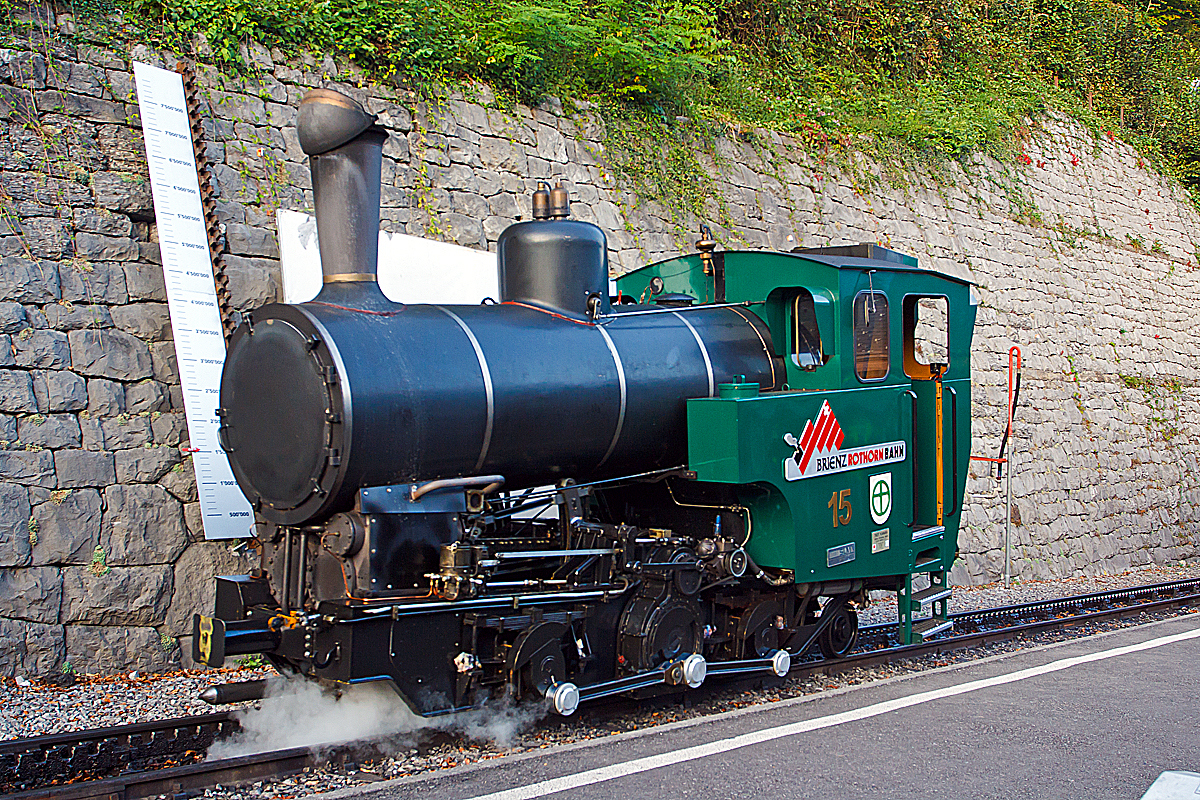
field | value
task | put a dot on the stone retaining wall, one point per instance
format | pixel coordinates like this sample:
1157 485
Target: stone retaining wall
1084 257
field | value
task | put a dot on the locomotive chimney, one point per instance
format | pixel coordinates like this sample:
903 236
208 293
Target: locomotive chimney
345 150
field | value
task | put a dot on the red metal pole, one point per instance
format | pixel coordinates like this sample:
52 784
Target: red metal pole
1012 351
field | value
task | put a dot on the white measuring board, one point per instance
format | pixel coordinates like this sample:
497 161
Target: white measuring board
191 294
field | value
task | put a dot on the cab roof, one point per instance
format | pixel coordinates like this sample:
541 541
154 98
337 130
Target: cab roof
869 255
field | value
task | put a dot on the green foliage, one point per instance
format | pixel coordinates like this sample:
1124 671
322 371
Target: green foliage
659 159
617 48
99 566
941 77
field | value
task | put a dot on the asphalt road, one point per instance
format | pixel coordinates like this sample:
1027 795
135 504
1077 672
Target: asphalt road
1094 718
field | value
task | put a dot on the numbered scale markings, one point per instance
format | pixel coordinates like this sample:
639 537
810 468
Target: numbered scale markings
191 294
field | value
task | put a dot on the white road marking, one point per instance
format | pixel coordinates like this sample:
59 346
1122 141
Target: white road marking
613 771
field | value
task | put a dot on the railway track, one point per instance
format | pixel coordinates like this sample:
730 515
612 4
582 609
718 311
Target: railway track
166 758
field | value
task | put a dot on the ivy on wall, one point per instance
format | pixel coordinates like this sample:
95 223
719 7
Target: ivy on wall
941 77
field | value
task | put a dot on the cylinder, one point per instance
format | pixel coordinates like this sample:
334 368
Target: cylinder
318 400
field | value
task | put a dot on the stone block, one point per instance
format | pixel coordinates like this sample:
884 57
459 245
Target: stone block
237 107
105 649
193 517
23 68
471 205
12 318
52 432
94 282
147 397
115 433
502 155
110 354
36 318
105 398
393 197
143 524
244 240
195 590
14 525
43 349
150 252
123 192
46 237
16 392
166 368
124 151
181 482
76 468
16 102
396 148
97 247
120 596
253 282
28 282
31 593
103 221
30 648
71 317
30 467
145 464
227 182
147 321
504 206
48 192
68 527
463 230
145 282
8 430
84 79
77 106
494 226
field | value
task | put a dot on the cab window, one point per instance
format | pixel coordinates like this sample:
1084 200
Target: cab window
926 336
871 345
806 350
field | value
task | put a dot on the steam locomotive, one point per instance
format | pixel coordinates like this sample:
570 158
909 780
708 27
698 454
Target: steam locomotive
567 494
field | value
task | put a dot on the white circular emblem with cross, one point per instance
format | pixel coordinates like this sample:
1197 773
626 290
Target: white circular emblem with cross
880 495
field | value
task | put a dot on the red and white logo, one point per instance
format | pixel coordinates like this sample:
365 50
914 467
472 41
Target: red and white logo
818 450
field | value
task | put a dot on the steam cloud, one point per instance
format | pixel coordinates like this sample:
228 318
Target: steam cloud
299 713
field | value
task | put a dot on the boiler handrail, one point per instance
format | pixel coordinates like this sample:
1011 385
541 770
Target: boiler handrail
490 483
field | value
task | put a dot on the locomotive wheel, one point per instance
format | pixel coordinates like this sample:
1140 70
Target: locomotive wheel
536 660
546 669
756 631
674 630
842 634
655 630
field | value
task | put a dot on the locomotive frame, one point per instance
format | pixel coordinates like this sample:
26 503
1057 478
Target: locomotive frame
708 480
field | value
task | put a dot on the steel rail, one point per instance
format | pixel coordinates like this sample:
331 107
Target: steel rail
76 755
962 641
122 742
1054 603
